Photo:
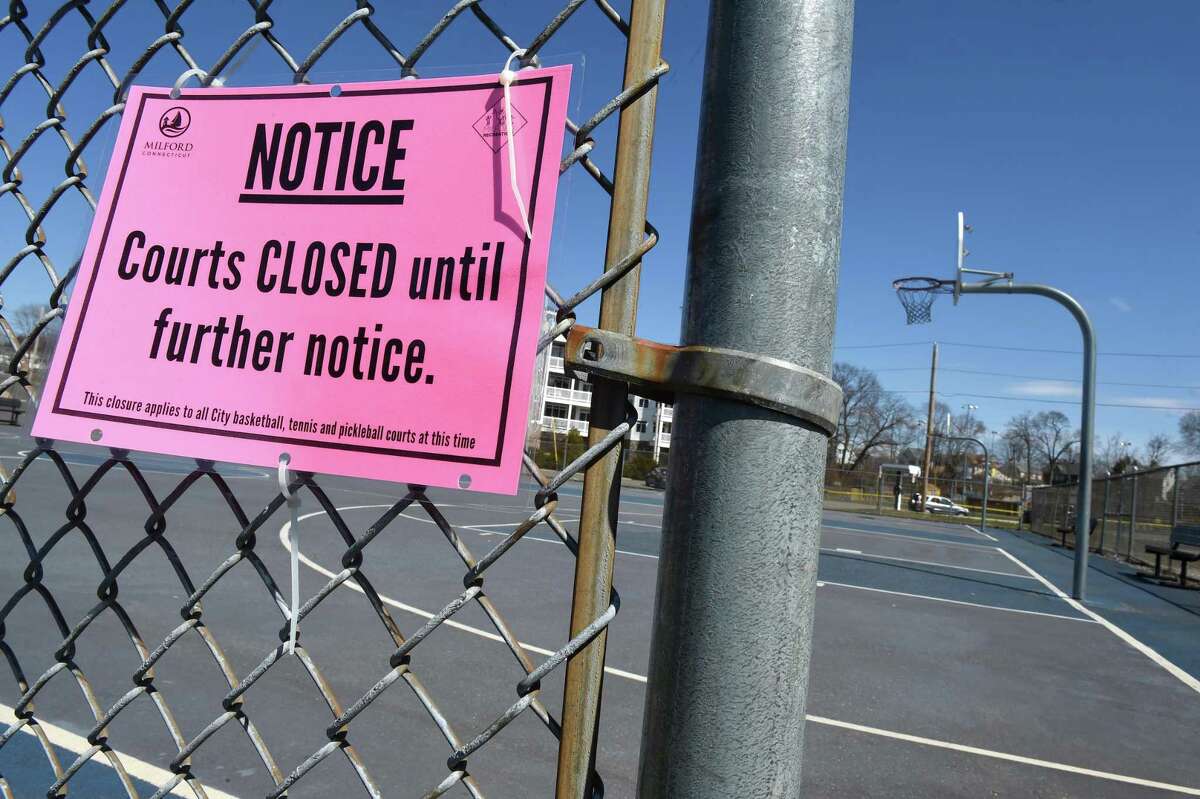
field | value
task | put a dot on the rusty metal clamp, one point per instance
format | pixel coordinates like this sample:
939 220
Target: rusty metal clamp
659 371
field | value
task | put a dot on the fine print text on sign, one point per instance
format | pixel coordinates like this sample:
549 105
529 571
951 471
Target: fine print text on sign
338 273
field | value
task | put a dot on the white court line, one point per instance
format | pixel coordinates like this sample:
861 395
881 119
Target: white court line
138 769
493 508
928 563
528 537
823 583
641 678
310 563
1171 668
560 510
477 527
1028 761
624 502
984 547
20 456
620 520
981 532
480 528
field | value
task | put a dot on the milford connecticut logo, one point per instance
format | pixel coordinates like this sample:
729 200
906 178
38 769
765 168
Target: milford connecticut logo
174 122
491 126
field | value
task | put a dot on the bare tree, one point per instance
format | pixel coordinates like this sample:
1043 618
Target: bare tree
871 417
1014 453
1021 437
1112 456
1157 450
27 321
957 452
1053 439
1189 432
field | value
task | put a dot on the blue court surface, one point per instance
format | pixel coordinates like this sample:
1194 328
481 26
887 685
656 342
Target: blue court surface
948 661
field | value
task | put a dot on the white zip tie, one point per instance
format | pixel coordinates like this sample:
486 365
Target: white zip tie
293 503
507 76
195 72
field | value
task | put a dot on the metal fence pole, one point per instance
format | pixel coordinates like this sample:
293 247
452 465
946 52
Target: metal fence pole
1120 514
1132 517
1104 515
987 482
602 480
729 661
1174 496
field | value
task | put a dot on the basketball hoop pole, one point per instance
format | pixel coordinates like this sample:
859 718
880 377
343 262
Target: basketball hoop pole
1083 504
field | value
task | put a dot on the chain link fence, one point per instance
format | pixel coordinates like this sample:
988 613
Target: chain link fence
1131 511
873 491
30 201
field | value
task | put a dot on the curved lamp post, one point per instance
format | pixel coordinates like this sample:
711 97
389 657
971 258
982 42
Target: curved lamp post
987 472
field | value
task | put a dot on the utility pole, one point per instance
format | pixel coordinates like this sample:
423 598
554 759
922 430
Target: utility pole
925 467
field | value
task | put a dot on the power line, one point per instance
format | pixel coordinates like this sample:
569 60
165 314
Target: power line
881 346
1035 377
1050 401
1074 352
1013 349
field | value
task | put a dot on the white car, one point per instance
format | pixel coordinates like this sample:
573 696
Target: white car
943 505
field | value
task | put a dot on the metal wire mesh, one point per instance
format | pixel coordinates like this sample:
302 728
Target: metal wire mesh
864 489
30 202
917 294
1133 511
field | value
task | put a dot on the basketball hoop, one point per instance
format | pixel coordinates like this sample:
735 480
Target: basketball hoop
917 295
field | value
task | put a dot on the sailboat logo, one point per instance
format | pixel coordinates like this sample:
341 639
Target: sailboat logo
174 122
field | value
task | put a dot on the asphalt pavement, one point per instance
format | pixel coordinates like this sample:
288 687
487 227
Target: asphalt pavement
947 662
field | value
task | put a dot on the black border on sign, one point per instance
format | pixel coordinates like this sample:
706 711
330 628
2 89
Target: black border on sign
288 95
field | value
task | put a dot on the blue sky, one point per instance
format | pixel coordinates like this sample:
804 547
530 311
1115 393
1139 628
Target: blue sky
1067 133
1066 130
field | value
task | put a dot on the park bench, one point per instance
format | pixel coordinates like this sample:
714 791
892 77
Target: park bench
1182 535
11 408
1069 529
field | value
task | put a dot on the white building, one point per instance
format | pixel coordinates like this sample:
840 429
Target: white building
560 401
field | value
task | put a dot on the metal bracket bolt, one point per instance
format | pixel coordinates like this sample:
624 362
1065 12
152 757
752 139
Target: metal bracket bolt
659 371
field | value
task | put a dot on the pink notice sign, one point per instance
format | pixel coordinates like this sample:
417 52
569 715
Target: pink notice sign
338 273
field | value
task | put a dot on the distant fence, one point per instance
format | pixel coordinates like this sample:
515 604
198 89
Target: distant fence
865 489
1132 510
